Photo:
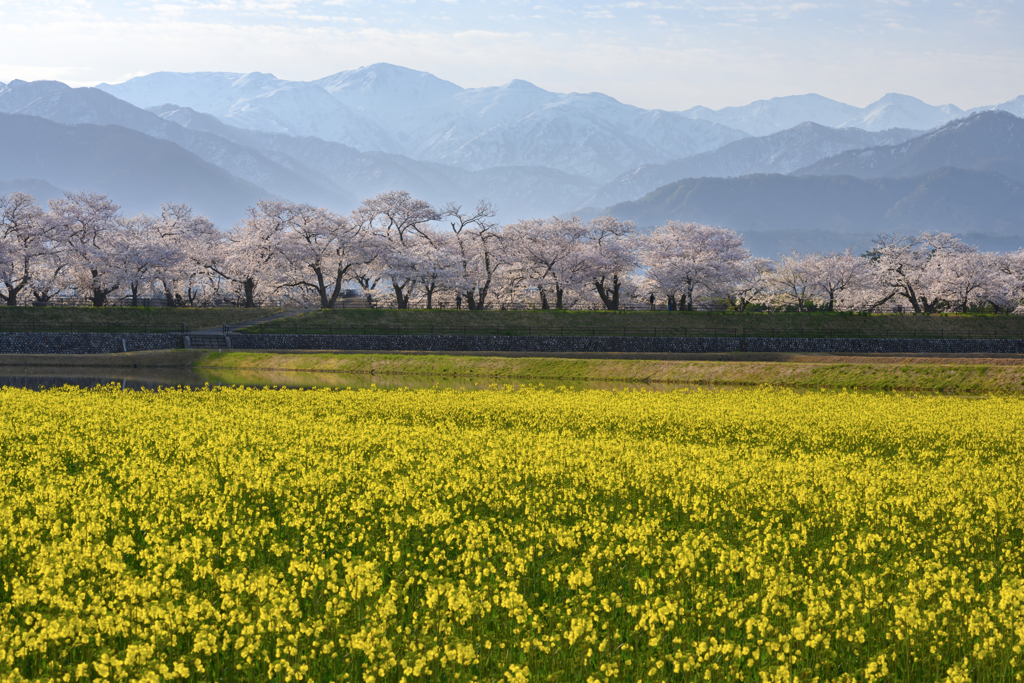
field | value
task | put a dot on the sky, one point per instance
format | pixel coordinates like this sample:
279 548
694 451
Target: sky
667 55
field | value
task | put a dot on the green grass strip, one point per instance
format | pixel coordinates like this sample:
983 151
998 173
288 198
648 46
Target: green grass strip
946 377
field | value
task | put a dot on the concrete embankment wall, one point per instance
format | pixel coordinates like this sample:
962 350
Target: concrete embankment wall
52 342
87 342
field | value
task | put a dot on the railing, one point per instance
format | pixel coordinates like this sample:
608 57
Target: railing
158 302
286 327
449 304
74 328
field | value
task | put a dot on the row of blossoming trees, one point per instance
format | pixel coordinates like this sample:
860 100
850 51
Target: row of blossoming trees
397 250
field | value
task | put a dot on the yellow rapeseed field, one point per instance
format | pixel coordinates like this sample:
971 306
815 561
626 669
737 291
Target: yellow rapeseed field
530 534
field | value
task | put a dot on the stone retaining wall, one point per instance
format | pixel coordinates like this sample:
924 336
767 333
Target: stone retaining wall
370 342
87 342
92 342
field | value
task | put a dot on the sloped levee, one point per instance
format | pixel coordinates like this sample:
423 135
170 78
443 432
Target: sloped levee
355 342
93 342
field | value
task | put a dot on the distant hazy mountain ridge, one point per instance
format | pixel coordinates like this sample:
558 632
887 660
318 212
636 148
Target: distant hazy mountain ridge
354 134
947 199
62 104
138 171
782 152
392 109
986 140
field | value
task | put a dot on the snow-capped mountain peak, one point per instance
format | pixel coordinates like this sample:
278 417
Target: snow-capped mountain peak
369 83
19 93
765 117
258 101
893 110
1014 106
384 107
902 111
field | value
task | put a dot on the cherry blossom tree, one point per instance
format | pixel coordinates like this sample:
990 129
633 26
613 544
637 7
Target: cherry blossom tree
789 283
187 242
752 284
437 262
688 259
394 222
321 251
902 267
1009 294
89 226
550 257
611 252
250 256
836 278
478 246
962 278
24 240
135 255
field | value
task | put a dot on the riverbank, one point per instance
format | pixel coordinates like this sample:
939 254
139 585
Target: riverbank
972 374
163 358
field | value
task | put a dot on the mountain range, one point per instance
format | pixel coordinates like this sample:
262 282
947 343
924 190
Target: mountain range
222 139
945 199
391 109
782 152
139 172
992 141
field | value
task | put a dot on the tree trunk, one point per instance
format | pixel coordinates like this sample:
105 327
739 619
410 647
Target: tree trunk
400 297
13 290
482 294
544 301
558 297
99 295
321 289
911 296
249 287
932 307
337 290
609 296
135 295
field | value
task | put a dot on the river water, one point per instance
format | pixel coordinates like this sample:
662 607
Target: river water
31 377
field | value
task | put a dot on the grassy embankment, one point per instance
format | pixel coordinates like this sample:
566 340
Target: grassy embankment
122 318
646 323
961 375
569 323
946 373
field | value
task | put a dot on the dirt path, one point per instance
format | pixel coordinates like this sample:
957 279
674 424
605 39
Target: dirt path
250 323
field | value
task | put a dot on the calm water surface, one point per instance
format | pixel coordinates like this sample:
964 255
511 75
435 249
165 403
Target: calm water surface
30 377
